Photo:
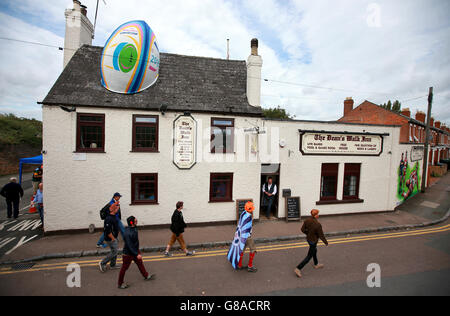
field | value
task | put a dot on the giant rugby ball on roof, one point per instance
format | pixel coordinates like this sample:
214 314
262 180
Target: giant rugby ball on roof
130 59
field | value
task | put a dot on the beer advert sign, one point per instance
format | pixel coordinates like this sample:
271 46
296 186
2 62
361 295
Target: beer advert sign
340 144
185 135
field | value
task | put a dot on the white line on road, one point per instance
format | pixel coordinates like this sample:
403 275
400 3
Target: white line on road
26 225
4 242
21 242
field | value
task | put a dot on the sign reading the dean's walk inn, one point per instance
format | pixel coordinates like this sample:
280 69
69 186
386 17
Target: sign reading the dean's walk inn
184 144
349 144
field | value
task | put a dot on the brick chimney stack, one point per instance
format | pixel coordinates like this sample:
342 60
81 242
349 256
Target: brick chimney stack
254 67
78 30
406 112
437 124
348 105
421 116
432 122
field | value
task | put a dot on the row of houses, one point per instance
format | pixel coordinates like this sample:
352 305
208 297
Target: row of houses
199 136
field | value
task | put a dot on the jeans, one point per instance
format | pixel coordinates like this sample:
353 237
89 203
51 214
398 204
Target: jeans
10 205
40 208
269 206
102 237
312 253
112 256
126 262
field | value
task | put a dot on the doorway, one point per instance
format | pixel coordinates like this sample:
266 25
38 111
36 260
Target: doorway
270 171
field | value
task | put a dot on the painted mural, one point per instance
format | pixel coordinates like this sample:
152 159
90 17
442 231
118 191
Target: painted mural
408 178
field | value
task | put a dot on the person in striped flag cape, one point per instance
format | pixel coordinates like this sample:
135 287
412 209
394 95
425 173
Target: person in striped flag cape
242 240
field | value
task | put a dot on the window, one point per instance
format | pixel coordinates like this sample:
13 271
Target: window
222 138
145 133
90 132
328 184
221 187
351 181
144 188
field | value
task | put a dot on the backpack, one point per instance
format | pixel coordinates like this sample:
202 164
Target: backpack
104 212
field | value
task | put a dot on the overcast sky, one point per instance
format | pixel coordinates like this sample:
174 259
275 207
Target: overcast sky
321 51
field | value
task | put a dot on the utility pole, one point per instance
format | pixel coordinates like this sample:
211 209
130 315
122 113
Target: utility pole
427 139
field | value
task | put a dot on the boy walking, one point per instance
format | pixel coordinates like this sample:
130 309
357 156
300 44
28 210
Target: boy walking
111 231
131 253
313 230
177 227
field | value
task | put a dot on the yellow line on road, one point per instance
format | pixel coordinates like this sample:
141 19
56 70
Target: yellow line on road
91 263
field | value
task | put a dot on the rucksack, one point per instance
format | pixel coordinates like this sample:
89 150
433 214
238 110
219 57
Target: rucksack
104 212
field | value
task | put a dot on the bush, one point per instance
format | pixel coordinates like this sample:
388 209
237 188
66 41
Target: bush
18 130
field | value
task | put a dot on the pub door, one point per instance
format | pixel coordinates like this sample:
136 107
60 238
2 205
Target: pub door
267 171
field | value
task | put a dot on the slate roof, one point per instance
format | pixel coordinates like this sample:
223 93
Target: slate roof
186 83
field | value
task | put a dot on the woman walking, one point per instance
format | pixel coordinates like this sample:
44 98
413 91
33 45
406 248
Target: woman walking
177 227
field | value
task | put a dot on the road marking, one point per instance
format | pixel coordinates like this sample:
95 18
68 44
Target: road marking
29 224
214 253
21 242
5 241
2 225
430 204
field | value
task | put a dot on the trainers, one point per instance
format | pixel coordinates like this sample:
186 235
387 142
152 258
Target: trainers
167 254
102 267
242 268
150 277
189 253
124 286
298 273
252 269
319 266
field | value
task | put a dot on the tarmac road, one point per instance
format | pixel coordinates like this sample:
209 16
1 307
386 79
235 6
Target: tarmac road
415 262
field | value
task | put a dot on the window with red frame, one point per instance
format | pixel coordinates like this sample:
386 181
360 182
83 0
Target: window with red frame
90 132
222 135
145 133
328 183
352 173
144 188
221 187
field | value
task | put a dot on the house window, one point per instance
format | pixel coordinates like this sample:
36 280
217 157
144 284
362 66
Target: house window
221 187
328 184
351 181
144 188
90 132
222 138
145 133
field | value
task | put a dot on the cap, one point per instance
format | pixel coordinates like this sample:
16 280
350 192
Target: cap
117 194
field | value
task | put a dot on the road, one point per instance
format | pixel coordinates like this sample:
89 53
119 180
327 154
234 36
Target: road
15 233
415 262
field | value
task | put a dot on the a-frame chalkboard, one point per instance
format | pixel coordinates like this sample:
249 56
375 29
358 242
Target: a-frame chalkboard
293 208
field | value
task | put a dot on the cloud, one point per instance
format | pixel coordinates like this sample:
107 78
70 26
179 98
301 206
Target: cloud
332 44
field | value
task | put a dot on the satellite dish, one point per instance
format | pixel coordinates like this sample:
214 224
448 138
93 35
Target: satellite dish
130 59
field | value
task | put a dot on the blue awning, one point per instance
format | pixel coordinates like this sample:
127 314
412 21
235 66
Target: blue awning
32 161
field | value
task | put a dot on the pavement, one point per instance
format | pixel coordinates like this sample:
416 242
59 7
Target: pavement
422 210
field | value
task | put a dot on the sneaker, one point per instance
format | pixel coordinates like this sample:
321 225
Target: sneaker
99 246
252 269
189 253
167 254
319 266
102 267
150 277
242 268
298 273
124 286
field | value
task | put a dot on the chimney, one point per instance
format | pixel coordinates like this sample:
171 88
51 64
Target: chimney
420 116
437 124
432 122
406 112
79 30
254 66
348 105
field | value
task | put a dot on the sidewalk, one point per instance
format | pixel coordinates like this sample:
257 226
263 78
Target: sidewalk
421 210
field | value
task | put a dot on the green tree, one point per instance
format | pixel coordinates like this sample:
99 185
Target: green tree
18 130
395 107
277 113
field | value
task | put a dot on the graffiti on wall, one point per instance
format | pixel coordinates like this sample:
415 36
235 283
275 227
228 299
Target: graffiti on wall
408 178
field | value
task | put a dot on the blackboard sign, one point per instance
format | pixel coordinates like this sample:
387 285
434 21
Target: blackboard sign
293 208
240 206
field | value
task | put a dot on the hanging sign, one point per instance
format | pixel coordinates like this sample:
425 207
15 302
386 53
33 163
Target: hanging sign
185 142
130 59
335 143
417 153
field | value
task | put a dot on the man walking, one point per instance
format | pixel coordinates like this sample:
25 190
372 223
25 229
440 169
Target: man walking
111 231
177 227
250 243
115 199
131 253
12 192
313 230
269 190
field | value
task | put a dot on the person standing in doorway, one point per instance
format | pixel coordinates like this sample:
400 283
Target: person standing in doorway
270 191
111 231
37 178
313 231
177 227
12 192
131 253
39 200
